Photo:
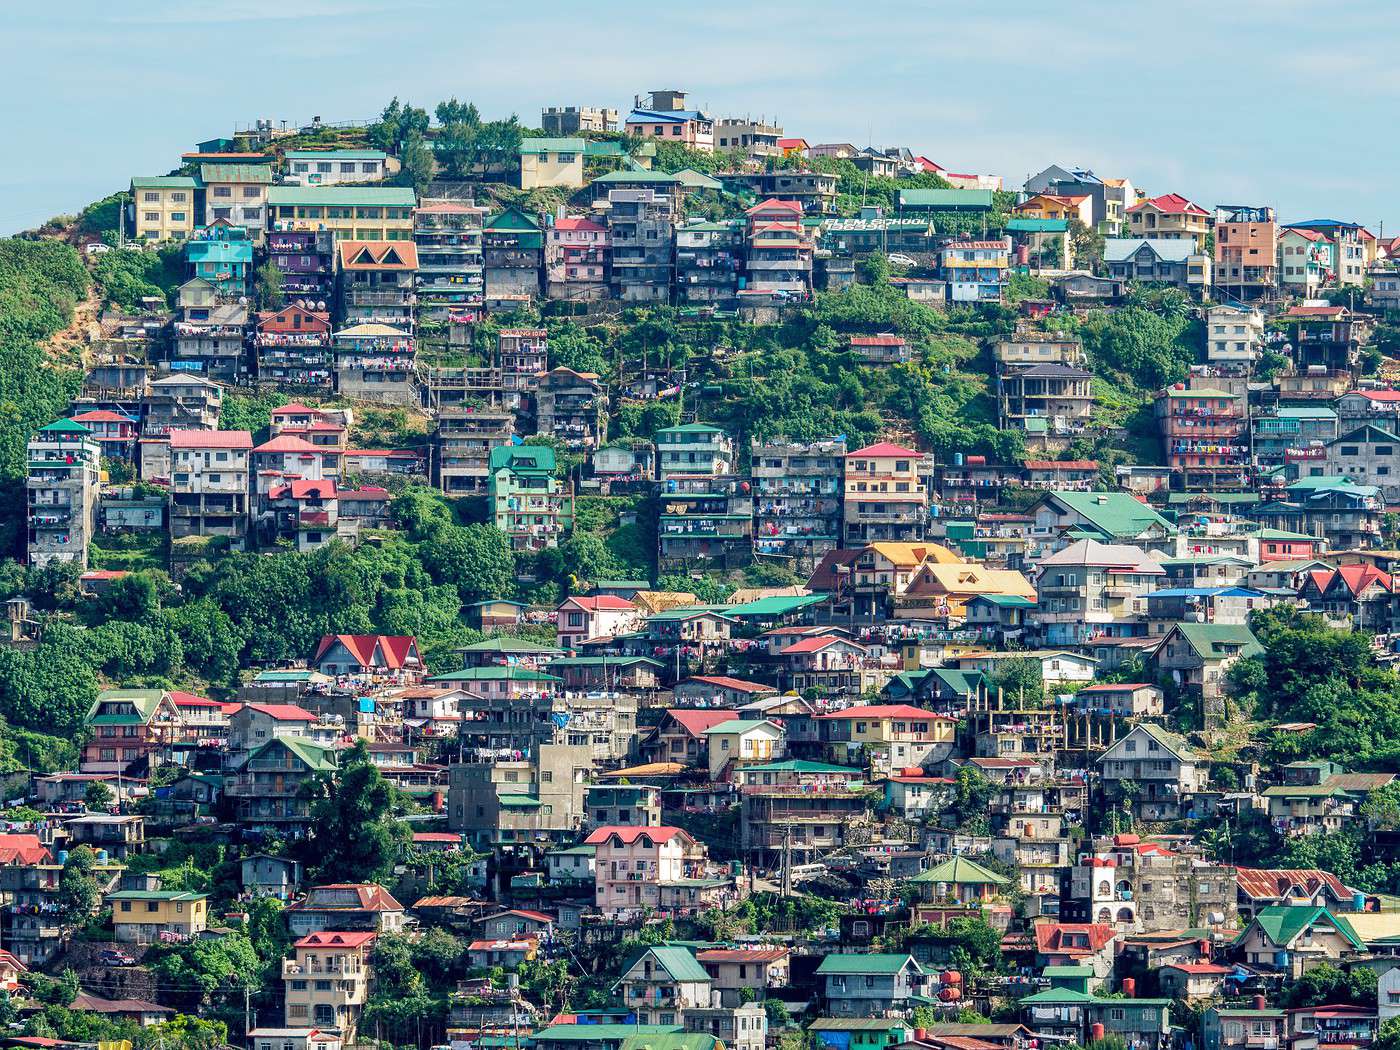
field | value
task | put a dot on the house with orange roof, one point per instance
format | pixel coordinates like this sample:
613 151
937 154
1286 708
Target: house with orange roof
680 735
357 906
720 691
1079 206
796 147
377 282
1170 217
368 654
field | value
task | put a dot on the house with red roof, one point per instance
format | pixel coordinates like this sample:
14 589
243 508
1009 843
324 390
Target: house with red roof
576 257
114 432
305 512
1358 595
342 906
209 483
632 864
834 664
290 458
1200 980
1265 887
204 719
598 616
1092 944
341 954
252 725
895 736
886 494
1170 217
368 654
883 349
680 736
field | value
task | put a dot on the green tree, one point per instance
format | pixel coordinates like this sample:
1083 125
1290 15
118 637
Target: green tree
415 163
98 795
353 835
78 895
1020 681
268 286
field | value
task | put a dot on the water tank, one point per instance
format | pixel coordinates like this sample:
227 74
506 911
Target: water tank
920 1034
102 856
950 994
1358 902
951 977
1261 1002
957 459
63 856
1130 987
1096 1031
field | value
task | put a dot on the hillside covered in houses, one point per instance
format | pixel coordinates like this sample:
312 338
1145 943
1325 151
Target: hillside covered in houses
650 581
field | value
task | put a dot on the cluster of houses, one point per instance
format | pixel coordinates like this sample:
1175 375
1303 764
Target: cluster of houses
1031 634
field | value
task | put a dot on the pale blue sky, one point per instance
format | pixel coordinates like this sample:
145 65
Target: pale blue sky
1283 102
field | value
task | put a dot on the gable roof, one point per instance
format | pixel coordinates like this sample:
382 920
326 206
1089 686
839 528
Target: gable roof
867 963
880 711
1272 883
696 722
378 255
884 448
1210 641
1168 249
960 870
1115 514
1282 923
395 649
1054 937
1170 204
678 963
629 834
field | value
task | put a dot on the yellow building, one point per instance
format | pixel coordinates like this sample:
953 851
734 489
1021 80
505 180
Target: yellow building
142 916
941 591
1170 217
163 207
551 162
327 982
237 193
743 742
361 213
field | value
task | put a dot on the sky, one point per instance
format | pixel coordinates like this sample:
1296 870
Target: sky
1288 103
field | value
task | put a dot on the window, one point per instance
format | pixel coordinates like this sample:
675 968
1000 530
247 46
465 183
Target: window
151 198
223 191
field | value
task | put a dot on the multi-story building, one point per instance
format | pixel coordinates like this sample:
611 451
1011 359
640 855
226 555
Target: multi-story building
709 256
464 437
576 259
755 138
806 816
1170 217
1326 340
1246 251
209 483
641 231
1367 457
377 280
1159 260
210 333
292 347
1051 399
571 408
886 494
662 115
362 213
267 789
1027 348
62 485
1338 248
374 362
521 356
128 726
975 270
570 120
163 207
1304 262
237 194
306 260
1234 335
336 167
521 803
1204 437
512 248
182 402
797 500
693 448
1091 590
632 863
1291 433
779 249
326 983
223 256
705 521
528 503
450 283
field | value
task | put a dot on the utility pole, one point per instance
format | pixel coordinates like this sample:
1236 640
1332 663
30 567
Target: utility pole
787 860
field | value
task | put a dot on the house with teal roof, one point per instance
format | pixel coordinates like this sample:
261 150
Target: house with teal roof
869 984
661 983
1290 938
528 503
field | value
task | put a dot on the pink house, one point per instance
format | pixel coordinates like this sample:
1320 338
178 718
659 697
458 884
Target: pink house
601 616
631 864
288 458
576 259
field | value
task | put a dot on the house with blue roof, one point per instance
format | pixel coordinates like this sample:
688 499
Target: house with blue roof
1158 260
663 115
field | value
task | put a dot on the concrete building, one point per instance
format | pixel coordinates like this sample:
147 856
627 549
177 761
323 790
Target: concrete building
450 283
528 503
326 982
377 283
1234 335
552 162
374 362
1246 251
464 436
363 213
1204 437
576 259
1159 260
62 486
163 207
1170 217
520 804
693 448
209 483
570 120
797 500
336 167
237 194
885 494
571 407
641 231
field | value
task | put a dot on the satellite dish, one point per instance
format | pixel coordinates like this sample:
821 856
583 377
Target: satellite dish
242 300
321 304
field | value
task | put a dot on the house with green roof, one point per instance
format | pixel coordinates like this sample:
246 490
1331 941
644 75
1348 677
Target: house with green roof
1197 655
163 207
237 194
336 167
1159 767
147 916
1109 517
130 726
662 982
266 790
743 741
512 248
1290 938
552 162
510 680
868 984
916 201
960 879
528 502
860 1033
597 1036
507 650
359 213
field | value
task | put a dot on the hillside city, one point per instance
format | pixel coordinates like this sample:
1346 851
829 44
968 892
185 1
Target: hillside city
651 581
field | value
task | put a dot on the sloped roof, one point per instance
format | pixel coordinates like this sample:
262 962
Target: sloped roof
394 648
1115 514
1207 639
1170 204
1168 249
867 963
631 833
885 449
960 870
696 722
1053 937
378 255
879 711
1282 923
